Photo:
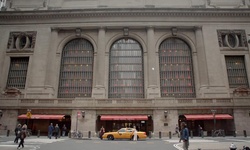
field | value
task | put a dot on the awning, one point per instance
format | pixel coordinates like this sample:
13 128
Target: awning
124 117
208 117
55 117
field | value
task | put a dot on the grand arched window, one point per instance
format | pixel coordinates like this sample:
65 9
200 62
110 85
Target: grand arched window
126 78
76 72
176 71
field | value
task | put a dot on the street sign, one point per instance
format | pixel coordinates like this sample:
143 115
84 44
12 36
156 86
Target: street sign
28 114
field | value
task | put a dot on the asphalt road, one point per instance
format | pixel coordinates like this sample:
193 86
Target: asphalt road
43 143
65 143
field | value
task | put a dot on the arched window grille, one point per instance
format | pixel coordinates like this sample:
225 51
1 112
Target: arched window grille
176 71
76 72
126 78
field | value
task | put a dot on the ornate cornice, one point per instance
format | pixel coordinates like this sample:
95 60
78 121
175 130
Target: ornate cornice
131 12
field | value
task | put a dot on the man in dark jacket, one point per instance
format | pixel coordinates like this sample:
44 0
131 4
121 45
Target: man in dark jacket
22 137
184 135
18 130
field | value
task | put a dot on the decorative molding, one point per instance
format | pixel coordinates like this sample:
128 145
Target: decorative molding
237 36
126 31
59 14
12 92
241 91
22 41
78 32
174 31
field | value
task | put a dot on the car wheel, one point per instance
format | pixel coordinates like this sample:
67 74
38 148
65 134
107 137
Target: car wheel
110 137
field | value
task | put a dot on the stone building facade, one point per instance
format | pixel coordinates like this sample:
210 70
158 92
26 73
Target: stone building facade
116 63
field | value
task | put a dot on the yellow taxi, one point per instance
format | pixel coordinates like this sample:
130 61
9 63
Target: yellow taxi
124 133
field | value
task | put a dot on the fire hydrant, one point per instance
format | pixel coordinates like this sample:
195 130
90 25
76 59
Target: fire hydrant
233 147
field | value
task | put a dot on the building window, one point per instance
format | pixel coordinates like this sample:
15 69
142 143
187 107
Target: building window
126 78
236 71
76 73
176 71
18 72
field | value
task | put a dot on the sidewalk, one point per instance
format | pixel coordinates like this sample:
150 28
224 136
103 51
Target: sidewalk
211 143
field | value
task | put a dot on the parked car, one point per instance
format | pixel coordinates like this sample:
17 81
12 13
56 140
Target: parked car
124 133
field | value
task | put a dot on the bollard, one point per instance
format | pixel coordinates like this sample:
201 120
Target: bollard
69 134
191 134
160 135
223 133
234 133
38 133
8 132
245 133
150 134
212 134
170 135
89 135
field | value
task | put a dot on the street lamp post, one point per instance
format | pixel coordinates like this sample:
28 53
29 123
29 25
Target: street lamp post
1 114
214 112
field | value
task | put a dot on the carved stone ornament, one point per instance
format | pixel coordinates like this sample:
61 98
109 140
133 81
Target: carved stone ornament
241 91
232 39
11 92
21 41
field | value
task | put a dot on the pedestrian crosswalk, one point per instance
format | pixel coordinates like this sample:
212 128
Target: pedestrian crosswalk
192 141
30 144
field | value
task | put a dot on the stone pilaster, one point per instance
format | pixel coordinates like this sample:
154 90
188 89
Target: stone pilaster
152 68
99 88
199 58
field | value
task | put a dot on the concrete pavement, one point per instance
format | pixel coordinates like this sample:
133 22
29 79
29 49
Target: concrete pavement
196 143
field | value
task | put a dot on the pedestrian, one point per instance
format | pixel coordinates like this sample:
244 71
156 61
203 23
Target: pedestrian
22 137
102 131
18 130
56 131
50 130
177 131
135 134
200 131
184 136
64 129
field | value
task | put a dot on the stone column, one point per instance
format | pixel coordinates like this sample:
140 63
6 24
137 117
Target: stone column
51 70
201 60
153 74
99 88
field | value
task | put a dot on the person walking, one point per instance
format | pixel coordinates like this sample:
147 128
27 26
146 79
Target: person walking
200 131
102 131
135 134
50 130
64 129
22 137
184 136
57 130
18 130
177 130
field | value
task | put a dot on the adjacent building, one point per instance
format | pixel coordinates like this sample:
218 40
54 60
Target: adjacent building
143 63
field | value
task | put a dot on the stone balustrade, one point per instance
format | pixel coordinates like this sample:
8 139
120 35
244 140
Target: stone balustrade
121 103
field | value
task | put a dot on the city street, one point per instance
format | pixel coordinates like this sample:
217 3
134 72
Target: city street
43 143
